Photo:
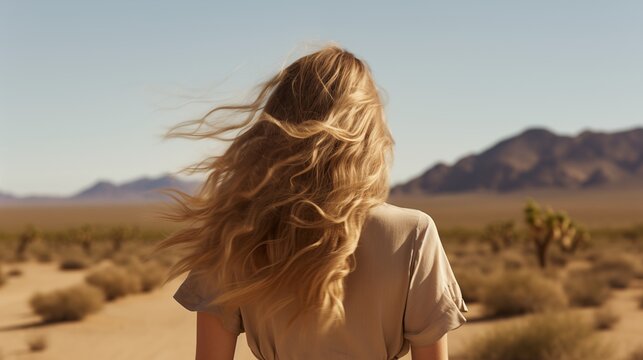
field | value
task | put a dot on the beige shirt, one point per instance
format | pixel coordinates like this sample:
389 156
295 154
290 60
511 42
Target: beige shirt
402 292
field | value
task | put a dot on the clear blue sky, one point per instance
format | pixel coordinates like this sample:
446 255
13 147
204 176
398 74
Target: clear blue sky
88 87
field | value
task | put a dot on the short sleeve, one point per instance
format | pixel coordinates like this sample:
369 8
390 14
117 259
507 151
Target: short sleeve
196 293
434 303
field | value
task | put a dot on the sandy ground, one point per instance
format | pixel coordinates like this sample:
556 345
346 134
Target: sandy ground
154 326
142 326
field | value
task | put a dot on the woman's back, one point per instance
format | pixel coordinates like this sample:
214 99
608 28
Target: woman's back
402 292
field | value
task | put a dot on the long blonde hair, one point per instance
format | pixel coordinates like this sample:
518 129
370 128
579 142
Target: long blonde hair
279 216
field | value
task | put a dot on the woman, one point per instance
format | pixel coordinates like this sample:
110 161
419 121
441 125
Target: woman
290 238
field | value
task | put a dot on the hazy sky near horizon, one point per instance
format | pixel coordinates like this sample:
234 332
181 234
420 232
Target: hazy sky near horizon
87 88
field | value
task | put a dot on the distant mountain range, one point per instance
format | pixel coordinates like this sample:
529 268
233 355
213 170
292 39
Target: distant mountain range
138 190
535 158
539 158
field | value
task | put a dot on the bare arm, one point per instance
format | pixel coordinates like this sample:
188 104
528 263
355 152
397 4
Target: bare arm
437 351
213 341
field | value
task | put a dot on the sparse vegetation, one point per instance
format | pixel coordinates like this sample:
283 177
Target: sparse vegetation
471 284
547 228
485 275
14 272
85 236
68 304
74 259
500 235
125 259
521 292
41 252
584 288
120 234
114 281
617 270
605 318
150 273
512 260
28 236
550 336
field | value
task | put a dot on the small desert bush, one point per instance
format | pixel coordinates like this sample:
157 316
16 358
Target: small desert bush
73 264
151 274
549 336
115 281
124 259
41 252
558 258
14 272
68 304
584 288
74 260
513 260
520 292
605 318
471 283
617 270
641 301
37 343
593 255
476 263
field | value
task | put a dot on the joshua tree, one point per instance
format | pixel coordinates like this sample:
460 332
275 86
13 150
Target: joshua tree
121 233
28 236
118 235
499 235
85 236
549 227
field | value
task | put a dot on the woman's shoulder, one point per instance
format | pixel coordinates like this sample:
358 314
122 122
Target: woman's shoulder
399 216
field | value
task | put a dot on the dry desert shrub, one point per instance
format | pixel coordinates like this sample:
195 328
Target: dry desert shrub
41 252
558 258
68 304
584 288
14 272
124 259
513 260
151 274
37 342
641 301
74 259
605 318
592 254
471 282
114 281
520 292
548 336
618 270
476 263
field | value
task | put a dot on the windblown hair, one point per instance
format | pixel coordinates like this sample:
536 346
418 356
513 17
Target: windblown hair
279 216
